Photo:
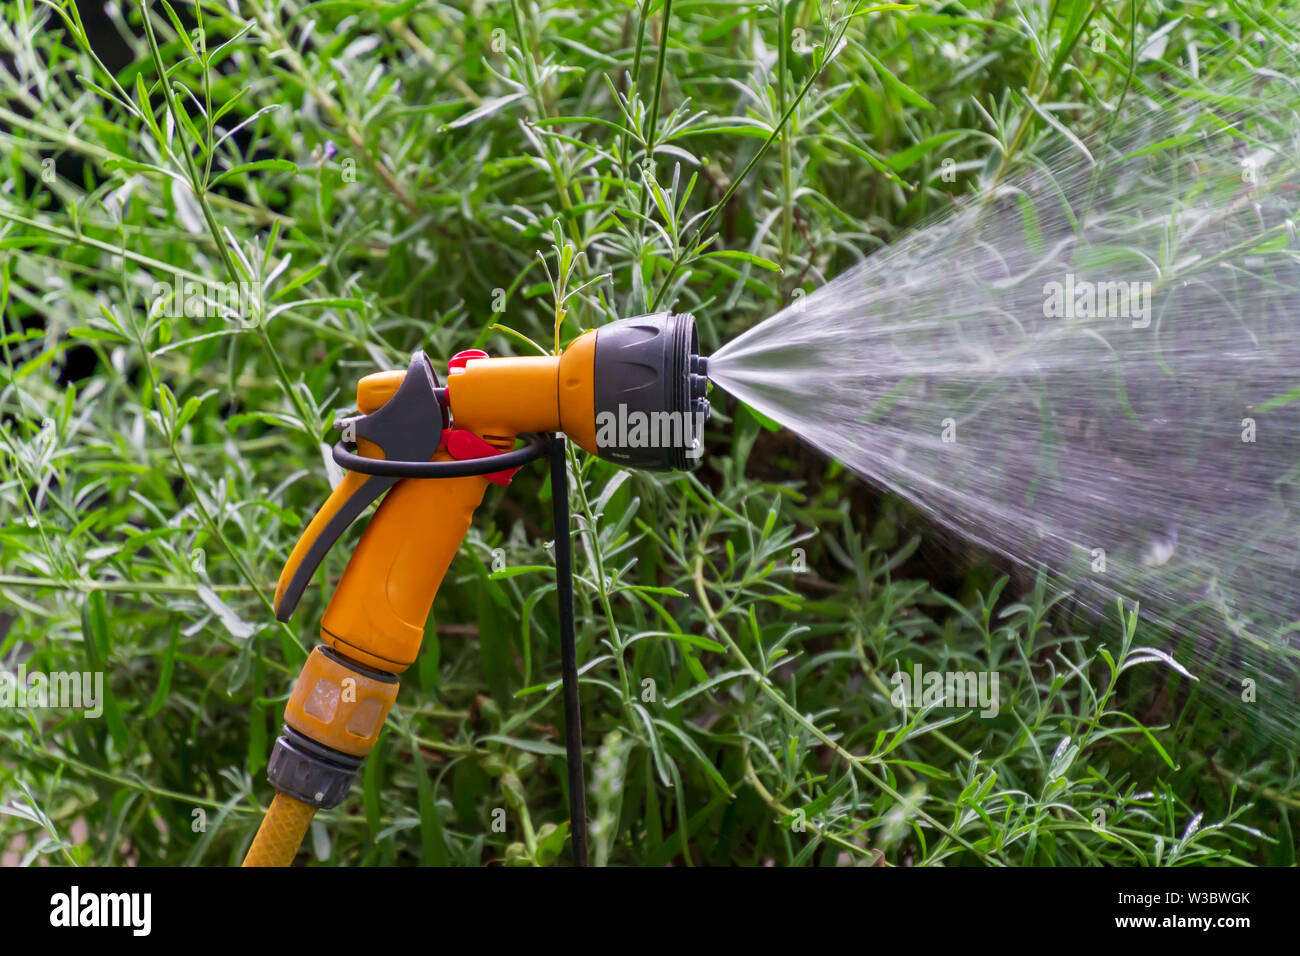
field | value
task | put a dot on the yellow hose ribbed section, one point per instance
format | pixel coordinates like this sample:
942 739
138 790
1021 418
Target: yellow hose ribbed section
281 832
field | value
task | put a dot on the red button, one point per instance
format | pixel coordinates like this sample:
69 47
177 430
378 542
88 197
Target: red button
464 445
460 358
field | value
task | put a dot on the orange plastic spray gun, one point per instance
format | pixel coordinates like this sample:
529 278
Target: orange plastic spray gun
632 392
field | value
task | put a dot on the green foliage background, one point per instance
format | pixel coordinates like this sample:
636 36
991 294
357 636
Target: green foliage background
394 176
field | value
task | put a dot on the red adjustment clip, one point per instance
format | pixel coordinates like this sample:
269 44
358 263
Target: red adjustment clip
460 358
466 446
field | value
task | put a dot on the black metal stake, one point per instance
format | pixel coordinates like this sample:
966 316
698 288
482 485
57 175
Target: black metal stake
568 651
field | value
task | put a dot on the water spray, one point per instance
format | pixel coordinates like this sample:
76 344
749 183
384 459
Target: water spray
433 450
1091 367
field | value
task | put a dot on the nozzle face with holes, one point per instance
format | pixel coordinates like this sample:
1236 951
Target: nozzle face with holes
649 389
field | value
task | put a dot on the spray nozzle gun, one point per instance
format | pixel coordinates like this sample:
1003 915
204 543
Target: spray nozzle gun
632 391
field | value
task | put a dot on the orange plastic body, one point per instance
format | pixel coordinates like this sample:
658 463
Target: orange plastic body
377 614
499 398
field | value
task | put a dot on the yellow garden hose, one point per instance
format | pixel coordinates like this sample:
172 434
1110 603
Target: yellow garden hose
281 832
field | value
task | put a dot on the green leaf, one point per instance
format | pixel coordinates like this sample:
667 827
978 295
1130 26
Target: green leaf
261 165
95 641
906 158
165 674
749 257
905 92
514 572
433 847
489 106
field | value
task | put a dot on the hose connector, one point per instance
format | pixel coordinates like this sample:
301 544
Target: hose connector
333 718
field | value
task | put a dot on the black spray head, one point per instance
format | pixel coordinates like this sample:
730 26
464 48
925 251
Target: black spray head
650 382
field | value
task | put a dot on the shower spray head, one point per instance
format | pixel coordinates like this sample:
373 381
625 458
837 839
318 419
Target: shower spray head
649 385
